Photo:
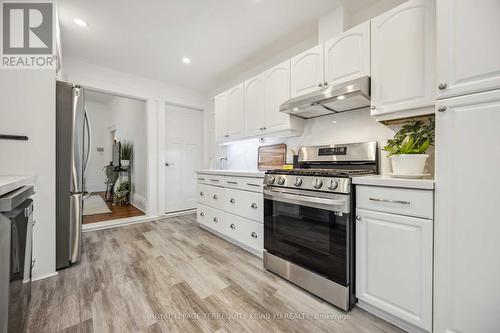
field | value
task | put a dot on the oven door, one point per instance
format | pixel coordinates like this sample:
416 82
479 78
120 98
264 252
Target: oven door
309 229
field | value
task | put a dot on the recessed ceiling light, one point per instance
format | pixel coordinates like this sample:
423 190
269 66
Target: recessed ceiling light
186 60
80 22
341 97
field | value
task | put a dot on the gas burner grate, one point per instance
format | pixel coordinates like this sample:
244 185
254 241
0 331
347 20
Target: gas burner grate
323 172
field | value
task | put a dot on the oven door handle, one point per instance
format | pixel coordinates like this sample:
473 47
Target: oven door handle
328 204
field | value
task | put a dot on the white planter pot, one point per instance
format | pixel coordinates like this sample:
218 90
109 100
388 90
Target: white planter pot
408 164
125 163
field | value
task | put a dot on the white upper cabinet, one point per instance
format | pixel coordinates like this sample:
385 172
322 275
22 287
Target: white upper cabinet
255 112
403 59
277 92
468 51
347 56
236 111
220 107
307 71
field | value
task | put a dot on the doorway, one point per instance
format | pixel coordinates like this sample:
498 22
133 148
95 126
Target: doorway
114 181
183 156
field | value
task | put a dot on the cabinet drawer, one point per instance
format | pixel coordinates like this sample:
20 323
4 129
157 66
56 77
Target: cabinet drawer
216 180
234 182
254 184
409 202
211 217
212 196
244 203
245 231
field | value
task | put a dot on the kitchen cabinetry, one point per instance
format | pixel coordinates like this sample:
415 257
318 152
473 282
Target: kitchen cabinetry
403 61
347 56
468 52
467 223
220 106
236 111
255 100
232 207
277 92
307 71
394 254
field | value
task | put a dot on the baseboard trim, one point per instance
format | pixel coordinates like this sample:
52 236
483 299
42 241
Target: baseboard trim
139 202
46 276
390 318
118 223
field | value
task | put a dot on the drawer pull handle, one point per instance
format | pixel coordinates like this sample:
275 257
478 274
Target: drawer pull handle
202 194
202 179
202 214
391 201
254 205
216 220
215 197
250 184
232 226
232 201
231 182
254 234
214 180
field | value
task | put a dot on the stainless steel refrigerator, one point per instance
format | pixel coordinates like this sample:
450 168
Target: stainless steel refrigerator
72 153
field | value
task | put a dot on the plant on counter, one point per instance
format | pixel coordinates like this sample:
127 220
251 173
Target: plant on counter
407 148
121 194
127 149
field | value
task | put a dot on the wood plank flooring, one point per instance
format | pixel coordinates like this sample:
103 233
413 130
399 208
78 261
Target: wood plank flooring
117 212
172 276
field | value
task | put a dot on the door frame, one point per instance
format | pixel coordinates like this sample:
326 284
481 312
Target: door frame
162 148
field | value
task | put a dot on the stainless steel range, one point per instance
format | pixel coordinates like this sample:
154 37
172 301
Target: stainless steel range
309 219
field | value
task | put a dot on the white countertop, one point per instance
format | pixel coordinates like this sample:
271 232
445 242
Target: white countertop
233 172
385 180
10 183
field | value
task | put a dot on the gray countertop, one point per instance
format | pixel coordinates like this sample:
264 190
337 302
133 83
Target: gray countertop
233 172
9 183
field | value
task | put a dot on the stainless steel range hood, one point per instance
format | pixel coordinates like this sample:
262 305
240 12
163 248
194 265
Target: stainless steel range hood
347 96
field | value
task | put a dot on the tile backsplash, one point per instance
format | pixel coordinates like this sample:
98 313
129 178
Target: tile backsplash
347 127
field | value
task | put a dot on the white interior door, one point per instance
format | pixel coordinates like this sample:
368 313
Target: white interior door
183 155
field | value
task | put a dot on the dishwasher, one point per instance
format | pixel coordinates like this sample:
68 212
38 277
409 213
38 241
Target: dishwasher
16 238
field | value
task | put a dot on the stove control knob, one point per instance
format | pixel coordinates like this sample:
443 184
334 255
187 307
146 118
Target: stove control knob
333 184
281 180
317 183
270 179
298 181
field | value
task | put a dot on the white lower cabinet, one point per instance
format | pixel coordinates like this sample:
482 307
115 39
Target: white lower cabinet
233 210
394 265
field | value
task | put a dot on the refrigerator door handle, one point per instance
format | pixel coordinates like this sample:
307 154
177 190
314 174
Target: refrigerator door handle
89 143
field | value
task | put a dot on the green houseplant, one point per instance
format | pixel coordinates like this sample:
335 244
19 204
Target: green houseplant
127 149
121 194
408 148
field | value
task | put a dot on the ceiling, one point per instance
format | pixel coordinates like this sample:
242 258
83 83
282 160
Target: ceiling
149 38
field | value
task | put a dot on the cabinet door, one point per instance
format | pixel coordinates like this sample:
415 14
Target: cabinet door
255 112
347 56
403 58
394 265
468 48
467 250
277 92
236 111
307 71
220 107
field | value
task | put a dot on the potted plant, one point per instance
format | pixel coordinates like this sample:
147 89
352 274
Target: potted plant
407 150
121 194
127 149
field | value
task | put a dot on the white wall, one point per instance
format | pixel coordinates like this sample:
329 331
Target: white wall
99 115
27 107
